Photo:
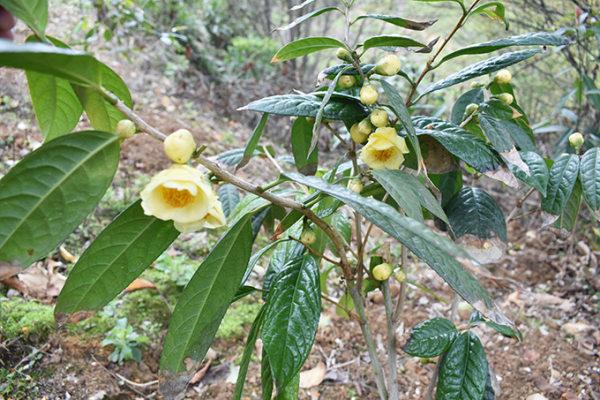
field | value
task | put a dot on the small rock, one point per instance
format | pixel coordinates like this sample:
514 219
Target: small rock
536 396
575 328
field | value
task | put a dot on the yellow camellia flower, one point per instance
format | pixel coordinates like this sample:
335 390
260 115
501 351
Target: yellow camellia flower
182 194
384 150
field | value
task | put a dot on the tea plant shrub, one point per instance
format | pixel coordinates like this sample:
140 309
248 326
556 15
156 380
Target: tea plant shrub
398 169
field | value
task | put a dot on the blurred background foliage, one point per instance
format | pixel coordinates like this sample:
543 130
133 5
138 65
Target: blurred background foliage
226 46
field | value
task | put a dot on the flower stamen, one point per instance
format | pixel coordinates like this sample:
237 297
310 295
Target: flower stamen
176 198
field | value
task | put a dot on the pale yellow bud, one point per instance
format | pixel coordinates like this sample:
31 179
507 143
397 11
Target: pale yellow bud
125 129
379 118
308 237
179 146
355 185
576 140
389 65
343 54
400 276
369 95
346 81
357 135
503 77
471 108
382 272
506 98
365 126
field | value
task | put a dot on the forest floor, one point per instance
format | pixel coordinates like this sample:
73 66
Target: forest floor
547 282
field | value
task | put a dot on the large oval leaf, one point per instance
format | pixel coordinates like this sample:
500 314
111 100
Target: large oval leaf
205 299
474 212
590 177
437 251
482 68
563 175
473 96
528 39
463 370
304 46
292 318
431 338
538 171
308 105
48 193
398 21
390 41
122 251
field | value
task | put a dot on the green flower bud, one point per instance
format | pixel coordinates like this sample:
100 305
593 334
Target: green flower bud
576 140
343 54
355 185
400 276
506 98
379 118
471 108
503 77
357 134
369 94
382 272
308 237
476 85
346 81
388 66
125 129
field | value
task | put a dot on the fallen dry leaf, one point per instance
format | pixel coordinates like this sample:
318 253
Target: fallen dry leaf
313 377
7 271
42 281
66 255
200 374
536 396
139 284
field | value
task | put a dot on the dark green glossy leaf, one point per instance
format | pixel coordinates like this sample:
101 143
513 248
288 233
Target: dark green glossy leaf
591 91
505 330
247 355
528 39
204 301
437 251
229 198
290 392
409 193
33 12
398 21
292 317
308 105
569 214
481 68
473 96
390 41
266 377
122 251
253 141
463 370
50 191
590 177
430 338
474 212
563 175
302 134
304 46
283 254
348 70
494 10
538 171
497 132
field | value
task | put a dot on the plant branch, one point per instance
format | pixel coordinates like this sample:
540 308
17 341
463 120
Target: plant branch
391 341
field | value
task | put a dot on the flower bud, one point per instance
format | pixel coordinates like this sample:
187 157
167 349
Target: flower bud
355 185
379 118
576 140
506 98
369 94
179 146
343 54
357 135
382 272
400 276
346 81
388 65
308 237
503 77
476 85
471 108
125 129
365 126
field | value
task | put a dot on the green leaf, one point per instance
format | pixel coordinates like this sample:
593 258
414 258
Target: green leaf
459 142
481 68
302 133
290 392
590 177
538 171
33 12
68 64
568 216
591 91
122 251
229 198
497 133
494 9
102 114
307 16
307 105
292 318
247 355
398 21
473 96
431 338
253 141
505 330
266 377
437 251
474 212
463 370
390 41
56 106
563 175
283 254
399 108
50 191
204 301
528 39
304 46
409 193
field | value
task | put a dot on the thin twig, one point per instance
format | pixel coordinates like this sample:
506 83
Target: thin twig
391 342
